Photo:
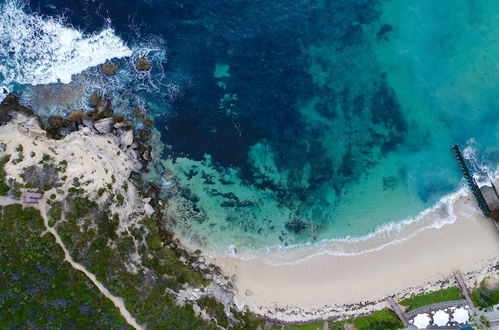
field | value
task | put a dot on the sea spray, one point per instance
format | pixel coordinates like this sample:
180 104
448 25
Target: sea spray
41 50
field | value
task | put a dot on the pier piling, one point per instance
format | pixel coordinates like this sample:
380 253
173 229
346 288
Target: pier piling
471 182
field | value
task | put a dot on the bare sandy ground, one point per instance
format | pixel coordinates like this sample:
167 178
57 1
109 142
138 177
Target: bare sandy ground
329 286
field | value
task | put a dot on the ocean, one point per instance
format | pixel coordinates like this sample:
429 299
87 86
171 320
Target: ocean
279 123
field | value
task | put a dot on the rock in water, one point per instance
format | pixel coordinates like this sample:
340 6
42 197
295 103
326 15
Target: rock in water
143 64
109 69
126 138
123 124
102 105
104 125
147 122
95 98
144 135
75 116
138 113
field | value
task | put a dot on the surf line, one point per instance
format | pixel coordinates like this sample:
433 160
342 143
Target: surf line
117 301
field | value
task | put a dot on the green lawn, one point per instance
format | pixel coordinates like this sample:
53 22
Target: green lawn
427 298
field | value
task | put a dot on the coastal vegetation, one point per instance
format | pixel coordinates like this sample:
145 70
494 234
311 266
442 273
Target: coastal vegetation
427 298
4 188
486 294
44 291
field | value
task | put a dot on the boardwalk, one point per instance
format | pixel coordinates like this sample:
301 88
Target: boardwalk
464 289
398 311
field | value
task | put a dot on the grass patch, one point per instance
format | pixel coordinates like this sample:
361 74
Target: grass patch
427 298
307 326
383 320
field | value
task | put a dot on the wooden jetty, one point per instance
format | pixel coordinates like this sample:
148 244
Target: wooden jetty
398 311
482 203
464 288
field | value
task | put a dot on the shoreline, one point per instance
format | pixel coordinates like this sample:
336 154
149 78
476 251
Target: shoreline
325 286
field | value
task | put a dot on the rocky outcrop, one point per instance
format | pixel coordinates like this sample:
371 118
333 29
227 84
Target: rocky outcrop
104 125
126 137
94 99
143 64
109 69
144 135
11 105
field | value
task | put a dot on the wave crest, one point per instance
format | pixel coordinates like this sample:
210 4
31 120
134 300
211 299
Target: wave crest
37 50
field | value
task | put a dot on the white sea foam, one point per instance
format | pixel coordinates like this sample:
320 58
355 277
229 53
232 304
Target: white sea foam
41 50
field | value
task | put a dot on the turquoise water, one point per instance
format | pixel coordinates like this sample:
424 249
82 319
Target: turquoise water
292 123
388 155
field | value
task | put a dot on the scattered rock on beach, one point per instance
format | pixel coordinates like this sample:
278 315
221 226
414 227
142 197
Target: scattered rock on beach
109 69
104 125
143 64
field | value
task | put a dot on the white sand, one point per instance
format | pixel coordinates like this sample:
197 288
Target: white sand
324 286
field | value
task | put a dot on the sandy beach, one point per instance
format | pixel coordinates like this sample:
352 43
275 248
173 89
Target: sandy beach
329 286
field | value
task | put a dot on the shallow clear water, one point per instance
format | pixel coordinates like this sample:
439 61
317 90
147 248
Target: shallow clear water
307 120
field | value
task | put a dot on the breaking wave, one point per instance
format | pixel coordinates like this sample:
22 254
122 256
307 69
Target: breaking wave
41 50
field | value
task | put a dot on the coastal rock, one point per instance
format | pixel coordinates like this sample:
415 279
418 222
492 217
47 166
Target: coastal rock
11 103
86 121
104 125
147 154
109 69
143 64
102 105
118 118
75 116
147 122
95 98
138 113
144 135
148 209
107 113
126 138
123 124
56 121
135 145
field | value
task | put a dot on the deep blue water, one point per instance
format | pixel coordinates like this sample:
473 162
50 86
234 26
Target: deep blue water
307 120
